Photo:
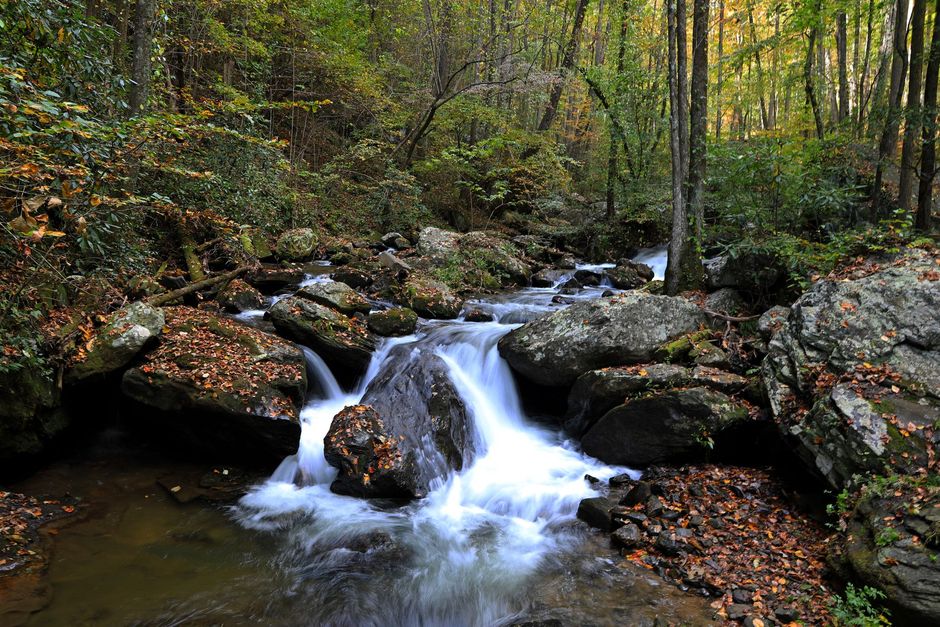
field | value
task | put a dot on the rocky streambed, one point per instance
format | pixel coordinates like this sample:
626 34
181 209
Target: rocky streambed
434 448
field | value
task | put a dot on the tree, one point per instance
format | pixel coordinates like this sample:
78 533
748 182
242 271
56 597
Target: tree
913 114
143 43
679 239
698 115
929 133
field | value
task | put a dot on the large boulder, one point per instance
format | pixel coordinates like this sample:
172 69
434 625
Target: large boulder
473 260
752 273
893 545
598 391
296 244
219 386
854 362
126 333
339 339
238 296
335 295
411 428
430 298
628 275
624 329
30 411
672 426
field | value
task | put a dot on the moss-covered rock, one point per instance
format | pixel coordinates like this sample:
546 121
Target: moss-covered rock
394 322
126 333
296 244
430 298
335 295
238 296
338 339
30 412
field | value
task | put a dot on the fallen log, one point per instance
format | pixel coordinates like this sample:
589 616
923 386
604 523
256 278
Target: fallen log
168 297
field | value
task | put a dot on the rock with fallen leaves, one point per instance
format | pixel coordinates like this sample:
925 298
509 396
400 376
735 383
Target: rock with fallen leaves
117 342
430 298
238 296
411 429
342 341
335 295
219 386
855 369
672 426
621 330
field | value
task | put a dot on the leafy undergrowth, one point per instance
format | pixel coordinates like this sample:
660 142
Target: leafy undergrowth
732 533
21 517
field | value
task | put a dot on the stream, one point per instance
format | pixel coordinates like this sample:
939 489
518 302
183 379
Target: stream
491 544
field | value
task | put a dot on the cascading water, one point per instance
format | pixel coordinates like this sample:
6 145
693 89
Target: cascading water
463 554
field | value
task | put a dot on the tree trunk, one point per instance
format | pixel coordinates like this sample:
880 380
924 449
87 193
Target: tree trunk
143 38
809 83
842 37
884 64
889 135
861 97
764 119
567 63
678 242
929 134
698 116
683 87
912 117
721 52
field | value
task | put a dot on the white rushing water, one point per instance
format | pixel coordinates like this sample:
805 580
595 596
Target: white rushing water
462 554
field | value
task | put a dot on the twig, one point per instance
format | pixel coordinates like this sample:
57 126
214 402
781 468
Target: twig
162 299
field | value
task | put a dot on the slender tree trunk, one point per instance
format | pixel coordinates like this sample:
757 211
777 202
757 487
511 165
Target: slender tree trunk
877 97
698 116
567 63
842 37
143 38
912 117
862 98
809 83
889 135
683 86
721 61
929 133
680 226
599 35
764 119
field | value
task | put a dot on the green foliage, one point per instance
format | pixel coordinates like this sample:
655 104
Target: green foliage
858 607
887 537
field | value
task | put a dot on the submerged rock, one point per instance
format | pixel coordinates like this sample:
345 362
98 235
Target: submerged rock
671 426
623 329
219 386
126 333
411 428
337 338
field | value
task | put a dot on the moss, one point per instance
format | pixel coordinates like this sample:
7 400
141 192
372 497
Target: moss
680 348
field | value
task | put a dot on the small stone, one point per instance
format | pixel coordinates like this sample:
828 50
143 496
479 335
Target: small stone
696 490
671 515
595 511
638 494
627 536
683 532
786 614
754 621
716 523
667 545
478 315
619 480
636 517
738 611
654 507
592 479
695 520
742 595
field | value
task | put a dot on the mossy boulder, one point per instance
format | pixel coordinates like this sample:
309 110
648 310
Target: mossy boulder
621 330
394 322
126 333
238 296
340 340
296 244
335 295
30 411
430 298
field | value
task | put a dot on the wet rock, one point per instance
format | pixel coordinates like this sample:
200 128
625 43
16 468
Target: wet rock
126 333
337 338
654 507
335 295
595 511
628 328
430 298
296 244
546 277
628 275
219 386
394 322
270 278
667 545
238 296
598 391
738 611
742 596
637 494
478 315
411 429
354 278
627 536
620 480
664 427
588 278
395 240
